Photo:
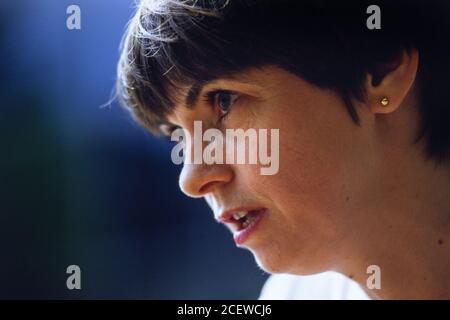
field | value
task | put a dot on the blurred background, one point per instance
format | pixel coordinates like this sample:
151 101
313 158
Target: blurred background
82 184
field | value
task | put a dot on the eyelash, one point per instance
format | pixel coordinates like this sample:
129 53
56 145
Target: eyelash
211 96
168 132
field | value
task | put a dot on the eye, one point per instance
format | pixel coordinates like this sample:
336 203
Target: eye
167 129
223 99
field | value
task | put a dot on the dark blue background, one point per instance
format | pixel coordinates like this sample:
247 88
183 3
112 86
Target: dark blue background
81 184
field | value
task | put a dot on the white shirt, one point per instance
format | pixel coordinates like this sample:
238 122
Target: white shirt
321 286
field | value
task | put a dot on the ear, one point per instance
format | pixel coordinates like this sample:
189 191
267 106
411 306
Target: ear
392 81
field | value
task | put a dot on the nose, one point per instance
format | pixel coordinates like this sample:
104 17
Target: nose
196 180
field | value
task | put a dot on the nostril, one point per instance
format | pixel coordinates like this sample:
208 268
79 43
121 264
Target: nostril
196 188
207 186
198 180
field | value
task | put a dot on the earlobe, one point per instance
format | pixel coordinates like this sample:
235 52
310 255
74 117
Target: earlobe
385 101
386 90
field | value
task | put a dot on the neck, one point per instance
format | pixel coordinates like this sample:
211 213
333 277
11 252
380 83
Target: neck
408 236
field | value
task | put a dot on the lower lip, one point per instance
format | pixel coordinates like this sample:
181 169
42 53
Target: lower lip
242 235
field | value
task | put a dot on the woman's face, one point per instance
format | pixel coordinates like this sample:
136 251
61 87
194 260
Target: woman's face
313 205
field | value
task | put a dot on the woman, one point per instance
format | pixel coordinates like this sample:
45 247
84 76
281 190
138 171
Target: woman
363 118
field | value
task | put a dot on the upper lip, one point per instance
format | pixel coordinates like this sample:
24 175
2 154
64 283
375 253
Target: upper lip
227 215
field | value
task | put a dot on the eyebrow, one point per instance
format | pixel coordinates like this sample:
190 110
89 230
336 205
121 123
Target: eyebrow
192 95
190 101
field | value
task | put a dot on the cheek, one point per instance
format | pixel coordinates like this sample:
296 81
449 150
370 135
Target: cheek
317 181
318 176
310 170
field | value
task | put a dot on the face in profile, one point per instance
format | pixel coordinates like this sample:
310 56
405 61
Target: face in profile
299 219
358 120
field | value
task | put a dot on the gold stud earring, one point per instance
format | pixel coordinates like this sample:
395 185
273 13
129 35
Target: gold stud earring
385 101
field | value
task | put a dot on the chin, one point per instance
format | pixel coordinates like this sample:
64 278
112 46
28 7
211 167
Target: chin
273 263
276 262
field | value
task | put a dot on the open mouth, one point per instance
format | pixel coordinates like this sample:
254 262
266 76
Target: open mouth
242 223
243 219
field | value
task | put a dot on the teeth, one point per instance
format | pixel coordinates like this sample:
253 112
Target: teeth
239 215
247 222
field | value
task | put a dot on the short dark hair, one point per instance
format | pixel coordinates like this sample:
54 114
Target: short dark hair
172 43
